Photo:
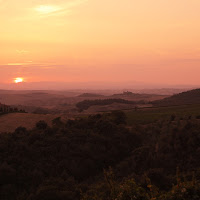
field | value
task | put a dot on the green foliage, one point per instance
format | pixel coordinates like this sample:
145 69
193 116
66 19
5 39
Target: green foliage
126 190
183 190
129 190
151 115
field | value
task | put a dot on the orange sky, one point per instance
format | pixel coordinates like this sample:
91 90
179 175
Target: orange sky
100 40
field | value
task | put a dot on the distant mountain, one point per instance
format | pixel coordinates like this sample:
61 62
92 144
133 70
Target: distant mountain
189 97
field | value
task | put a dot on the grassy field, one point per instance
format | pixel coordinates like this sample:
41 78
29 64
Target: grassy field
149 115
9 122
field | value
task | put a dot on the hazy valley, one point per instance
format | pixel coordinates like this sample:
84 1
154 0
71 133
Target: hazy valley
99 100
83 145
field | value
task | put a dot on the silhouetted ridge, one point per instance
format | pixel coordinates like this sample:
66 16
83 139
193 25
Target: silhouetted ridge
189 97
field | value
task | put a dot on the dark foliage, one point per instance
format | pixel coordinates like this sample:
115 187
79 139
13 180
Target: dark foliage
41 125
84 105
189 97
73 160
90 95
4 109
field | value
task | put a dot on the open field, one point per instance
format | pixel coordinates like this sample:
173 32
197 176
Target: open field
149 115
9 122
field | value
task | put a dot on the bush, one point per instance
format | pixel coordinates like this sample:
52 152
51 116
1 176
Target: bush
41 125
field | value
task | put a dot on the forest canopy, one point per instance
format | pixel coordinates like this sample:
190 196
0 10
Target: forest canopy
99 157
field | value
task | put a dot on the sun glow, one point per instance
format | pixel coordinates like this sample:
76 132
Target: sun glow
46 9
19 80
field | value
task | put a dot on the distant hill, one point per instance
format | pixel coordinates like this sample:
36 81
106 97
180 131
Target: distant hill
84 105
127 93
163 91
189 97
90 95
139 96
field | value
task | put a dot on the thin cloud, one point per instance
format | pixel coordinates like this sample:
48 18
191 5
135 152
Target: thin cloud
15 64
32 65
36 10
46 10
22 51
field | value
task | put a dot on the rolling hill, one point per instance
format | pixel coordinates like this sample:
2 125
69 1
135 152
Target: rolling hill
189 97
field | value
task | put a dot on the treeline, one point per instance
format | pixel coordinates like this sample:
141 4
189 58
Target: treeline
84 105
8 109
90 95
99 158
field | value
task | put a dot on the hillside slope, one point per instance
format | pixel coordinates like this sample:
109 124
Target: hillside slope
189 97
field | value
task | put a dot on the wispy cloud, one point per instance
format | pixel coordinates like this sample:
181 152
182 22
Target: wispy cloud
15 64
49 10
45 10
22 51
33 65
35 9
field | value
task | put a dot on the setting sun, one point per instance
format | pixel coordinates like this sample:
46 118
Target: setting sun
18 80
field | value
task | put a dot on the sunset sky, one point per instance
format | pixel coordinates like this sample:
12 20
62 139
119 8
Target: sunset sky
100 40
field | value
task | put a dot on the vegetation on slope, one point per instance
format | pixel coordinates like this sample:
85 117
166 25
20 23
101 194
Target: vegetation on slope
153 114
90 95
100 158
84 105
189 97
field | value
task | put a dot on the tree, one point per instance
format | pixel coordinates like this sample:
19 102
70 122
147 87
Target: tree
119 117
41 125
57 122
20 129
